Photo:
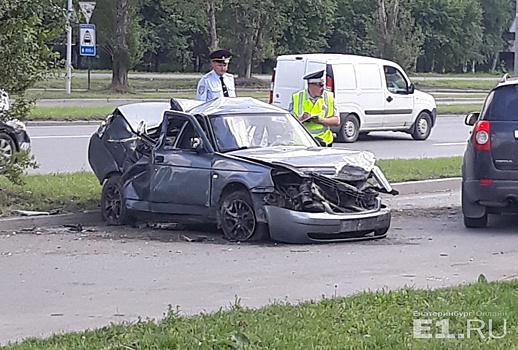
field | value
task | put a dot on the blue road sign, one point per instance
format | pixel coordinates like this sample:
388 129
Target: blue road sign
87 40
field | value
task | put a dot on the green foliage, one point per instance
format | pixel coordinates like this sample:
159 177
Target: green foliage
25 56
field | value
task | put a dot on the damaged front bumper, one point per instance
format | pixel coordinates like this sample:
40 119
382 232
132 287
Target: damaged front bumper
291 226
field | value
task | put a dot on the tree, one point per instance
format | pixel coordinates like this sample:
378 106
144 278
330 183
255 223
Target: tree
397 36
497 16
248 26
26 57
353 21
121 36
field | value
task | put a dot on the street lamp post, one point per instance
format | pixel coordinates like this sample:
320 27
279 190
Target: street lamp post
68 74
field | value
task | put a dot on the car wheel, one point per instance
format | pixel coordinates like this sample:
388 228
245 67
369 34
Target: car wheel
237 218
422 127
7 148
113 208
475 222
349 130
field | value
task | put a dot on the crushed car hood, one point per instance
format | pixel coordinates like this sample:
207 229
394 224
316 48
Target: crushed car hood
310 159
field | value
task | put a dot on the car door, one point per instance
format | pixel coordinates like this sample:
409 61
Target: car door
181 174
399 103
370 97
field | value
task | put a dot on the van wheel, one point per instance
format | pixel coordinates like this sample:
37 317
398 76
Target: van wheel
349 130
422 127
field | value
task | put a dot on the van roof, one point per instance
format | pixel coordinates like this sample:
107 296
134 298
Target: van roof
332 57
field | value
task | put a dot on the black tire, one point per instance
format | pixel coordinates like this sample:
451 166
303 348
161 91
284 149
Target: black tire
237 218
422 127
349 129
7 149
475 222
381 233
113 207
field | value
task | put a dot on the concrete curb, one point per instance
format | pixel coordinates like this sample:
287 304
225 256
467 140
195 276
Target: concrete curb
94 217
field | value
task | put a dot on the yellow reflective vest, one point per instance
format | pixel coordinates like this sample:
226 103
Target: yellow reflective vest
323 107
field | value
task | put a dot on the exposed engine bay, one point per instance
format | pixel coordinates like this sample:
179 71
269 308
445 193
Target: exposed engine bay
353 190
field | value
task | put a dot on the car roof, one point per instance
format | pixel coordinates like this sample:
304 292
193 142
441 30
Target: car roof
235 105
505 81
152 112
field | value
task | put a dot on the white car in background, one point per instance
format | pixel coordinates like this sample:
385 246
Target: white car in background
13 134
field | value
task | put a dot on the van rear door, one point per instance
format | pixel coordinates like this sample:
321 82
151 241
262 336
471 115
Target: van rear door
288 80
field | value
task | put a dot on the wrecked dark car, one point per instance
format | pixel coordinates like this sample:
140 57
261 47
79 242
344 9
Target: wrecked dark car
247 166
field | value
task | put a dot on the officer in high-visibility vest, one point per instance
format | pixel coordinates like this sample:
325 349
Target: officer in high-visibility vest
315 107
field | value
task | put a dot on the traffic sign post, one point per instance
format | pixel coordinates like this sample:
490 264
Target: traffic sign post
87 44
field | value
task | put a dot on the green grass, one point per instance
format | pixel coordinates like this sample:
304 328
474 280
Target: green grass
368 320
58 192
485 85
81 191
458 109
400 170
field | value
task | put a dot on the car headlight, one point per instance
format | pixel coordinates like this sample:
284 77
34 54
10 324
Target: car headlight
17 125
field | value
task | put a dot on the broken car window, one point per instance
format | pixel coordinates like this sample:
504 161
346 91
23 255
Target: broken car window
234 132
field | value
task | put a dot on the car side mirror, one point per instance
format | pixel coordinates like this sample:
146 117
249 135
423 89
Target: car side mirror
196 144
321 141
411 88
472 118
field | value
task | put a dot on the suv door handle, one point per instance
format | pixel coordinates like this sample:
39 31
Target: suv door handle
159 159
389 99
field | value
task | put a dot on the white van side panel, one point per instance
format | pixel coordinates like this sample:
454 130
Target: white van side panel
313 67
345 78
371 95
288 81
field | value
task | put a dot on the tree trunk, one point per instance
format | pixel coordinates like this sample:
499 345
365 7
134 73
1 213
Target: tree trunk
211 13
120 58
494 63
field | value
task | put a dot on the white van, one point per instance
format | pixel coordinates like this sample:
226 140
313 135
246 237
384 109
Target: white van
371 94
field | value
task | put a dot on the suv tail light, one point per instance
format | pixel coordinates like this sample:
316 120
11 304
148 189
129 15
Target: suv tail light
272 83
482 136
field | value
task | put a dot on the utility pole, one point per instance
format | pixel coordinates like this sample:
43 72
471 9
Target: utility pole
515 25
68 74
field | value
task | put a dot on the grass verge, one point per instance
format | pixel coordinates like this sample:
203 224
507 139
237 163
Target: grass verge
70 113
81 190
369 320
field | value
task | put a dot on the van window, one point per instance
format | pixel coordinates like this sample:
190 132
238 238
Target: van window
396 82
293 71
370 76
345 77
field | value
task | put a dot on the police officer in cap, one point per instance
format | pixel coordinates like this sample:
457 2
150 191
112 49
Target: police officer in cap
217 83
316 108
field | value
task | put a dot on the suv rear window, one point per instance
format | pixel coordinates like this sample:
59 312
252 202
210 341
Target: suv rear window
502 104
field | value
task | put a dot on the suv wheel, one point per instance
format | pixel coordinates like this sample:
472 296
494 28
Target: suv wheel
422 127
476 222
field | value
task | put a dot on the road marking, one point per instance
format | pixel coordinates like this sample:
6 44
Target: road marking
451 144
60 137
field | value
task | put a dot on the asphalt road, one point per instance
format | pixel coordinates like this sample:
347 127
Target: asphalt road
61 148
55 280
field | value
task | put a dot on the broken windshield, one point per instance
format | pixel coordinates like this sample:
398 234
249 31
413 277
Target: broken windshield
242 131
